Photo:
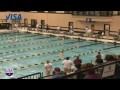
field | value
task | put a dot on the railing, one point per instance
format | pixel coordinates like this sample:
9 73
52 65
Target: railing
32 76
97 69
76 30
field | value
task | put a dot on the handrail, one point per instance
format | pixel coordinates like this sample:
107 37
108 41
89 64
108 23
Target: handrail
37 75
95 67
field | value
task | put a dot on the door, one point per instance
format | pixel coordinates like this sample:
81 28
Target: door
25 22
33 23
70 26
42 24
107 29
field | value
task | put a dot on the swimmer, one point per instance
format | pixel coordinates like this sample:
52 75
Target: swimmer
62 39
13 40
44 40
61 53
76 45
114 43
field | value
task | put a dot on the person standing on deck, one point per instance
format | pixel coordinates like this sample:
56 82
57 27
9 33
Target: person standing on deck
48 68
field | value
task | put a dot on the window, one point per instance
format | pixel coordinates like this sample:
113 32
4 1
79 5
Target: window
118 12
33 23
110 13
74 12
51 11
97 13
86 13
91 13
67 12
40 11
80 13
104 13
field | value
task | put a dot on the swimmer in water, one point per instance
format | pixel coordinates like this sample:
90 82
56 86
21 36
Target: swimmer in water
61 39
13 40
76 45
61 53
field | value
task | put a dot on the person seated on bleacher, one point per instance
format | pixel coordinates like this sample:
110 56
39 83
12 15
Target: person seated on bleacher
86 30
37 26
118 35
47 28
58 29
110 58
57 73
88 34
16 26
71 32
91 74
100 34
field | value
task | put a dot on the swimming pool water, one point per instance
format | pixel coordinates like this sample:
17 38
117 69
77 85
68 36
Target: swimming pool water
26 49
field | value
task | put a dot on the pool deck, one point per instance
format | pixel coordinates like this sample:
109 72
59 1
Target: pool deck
105 39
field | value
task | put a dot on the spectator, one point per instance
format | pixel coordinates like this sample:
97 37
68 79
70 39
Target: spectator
58 29
99 56
99 59
119 33
67 65
47 28
119 57
99 62
78 71
71 30
117 71
110 58
57 74
78 62
48 68
86 29
88 32
37 26
91 73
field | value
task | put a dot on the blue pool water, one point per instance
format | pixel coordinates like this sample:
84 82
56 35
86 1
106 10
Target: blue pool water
21 50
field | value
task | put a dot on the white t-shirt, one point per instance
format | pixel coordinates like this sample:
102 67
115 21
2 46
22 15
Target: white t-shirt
16 25
67 64
48 67
37 25
74 68
86 29
102 33
89 31
58 28
71 27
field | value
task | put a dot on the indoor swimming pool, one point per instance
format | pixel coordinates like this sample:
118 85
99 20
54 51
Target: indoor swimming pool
26 53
